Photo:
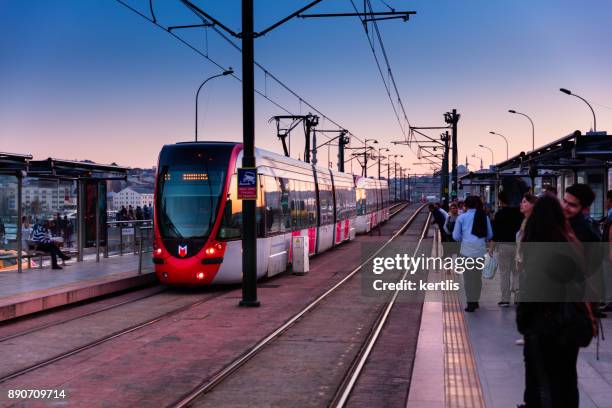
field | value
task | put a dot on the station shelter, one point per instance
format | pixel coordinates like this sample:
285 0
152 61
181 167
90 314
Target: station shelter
71 195
575 158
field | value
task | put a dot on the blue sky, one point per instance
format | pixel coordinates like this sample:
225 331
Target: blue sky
90 79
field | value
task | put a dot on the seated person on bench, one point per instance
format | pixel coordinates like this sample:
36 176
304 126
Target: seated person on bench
41 237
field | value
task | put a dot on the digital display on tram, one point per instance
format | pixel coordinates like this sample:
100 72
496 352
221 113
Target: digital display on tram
190 184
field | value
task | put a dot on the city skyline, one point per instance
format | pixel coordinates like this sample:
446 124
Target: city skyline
96 81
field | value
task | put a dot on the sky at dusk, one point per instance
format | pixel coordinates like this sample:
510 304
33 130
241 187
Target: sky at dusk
90 79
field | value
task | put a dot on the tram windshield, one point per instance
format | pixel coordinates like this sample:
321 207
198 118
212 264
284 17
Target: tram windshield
189 187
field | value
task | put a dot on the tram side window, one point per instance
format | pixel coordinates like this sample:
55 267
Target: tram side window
351 202
273 210
361 202
326 204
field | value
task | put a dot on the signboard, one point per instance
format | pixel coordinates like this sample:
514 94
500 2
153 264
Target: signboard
247 183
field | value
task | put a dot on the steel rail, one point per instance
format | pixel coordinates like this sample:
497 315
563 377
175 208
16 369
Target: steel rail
228 370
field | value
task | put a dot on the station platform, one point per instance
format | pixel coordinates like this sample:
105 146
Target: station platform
36 289
471 359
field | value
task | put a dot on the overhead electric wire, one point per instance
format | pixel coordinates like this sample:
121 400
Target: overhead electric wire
382 75
267 73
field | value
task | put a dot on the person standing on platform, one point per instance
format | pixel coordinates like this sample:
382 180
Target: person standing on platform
473 229
451 247
576 204
553 275
506 224
607 264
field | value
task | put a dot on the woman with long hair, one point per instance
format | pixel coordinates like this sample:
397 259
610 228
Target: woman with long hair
473 230
551 278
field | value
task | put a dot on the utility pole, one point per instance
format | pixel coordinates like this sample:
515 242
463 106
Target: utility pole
343 140
444 173
452 118
249 231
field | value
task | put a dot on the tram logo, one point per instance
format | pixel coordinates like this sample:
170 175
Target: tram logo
182 251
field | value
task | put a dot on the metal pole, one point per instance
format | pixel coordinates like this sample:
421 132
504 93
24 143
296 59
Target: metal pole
80 221
97 207
341 143
455 181
19 215
365 159
395 181
249 239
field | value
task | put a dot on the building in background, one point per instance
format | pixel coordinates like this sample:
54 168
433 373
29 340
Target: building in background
134 196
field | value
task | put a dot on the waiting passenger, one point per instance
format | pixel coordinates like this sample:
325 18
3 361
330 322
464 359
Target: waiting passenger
506 224
42 240
473 229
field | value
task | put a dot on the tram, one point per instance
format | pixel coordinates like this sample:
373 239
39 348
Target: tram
372 204
198 217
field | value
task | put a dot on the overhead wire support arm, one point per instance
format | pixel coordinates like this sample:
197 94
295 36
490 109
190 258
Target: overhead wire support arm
289 17
214 21
190 26
405 15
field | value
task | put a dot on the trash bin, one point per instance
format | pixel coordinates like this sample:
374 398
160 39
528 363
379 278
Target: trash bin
300 264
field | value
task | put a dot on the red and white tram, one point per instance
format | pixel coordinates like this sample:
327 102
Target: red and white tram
372 203
198 218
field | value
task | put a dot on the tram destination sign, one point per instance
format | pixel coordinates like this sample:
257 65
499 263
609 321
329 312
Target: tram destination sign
247 183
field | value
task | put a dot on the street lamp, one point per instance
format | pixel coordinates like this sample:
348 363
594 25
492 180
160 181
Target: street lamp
532 127
365 155
491 150
506 140
224 73
379 157
568 92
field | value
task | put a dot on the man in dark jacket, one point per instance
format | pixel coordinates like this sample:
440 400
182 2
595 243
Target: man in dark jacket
506 224
576 203
439 218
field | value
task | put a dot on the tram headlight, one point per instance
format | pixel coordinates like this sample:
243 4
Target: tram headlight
200 275
210 251
158 251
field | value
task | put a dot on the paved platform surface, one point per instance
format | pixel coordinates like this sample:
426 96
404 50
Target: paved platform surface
497 361
500 362
37 289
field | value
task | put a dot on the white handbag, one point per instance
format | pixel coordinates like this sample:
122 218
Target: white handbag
490 266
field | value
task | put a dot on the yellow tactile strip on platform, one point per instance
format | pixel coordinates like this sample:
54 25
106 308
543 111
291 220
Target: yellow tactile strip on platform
461 382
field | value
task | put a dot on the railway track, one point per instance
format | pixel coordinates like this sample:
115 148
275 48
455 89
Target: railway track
343 392
224 374
116 334
108 338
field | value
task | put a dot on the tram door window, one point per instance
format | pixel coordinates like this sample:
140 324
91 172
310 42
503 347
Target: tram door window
326 204
311 204
272 205
285 204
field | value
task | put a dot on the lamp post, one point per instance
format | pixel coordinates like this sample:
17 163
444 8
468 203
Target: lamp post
395 177
568 92
224 73
365 155
491 150
379 157
532 127
505 140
